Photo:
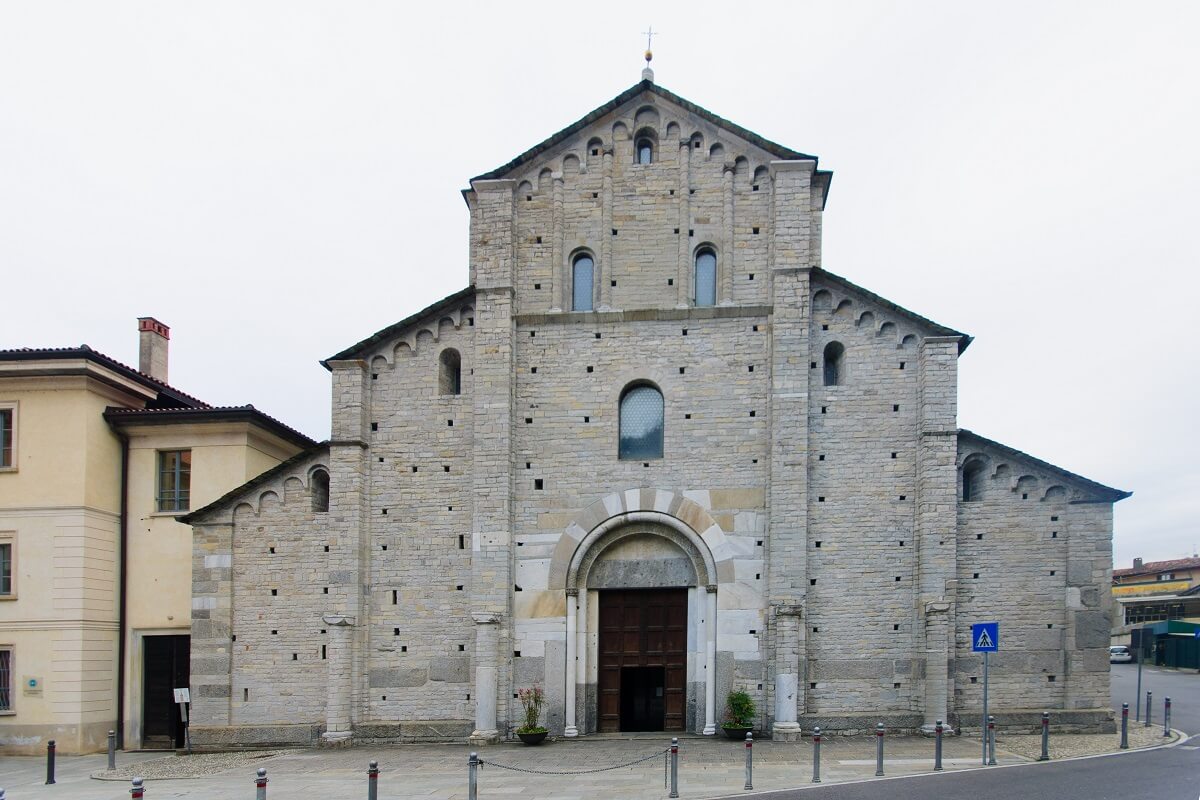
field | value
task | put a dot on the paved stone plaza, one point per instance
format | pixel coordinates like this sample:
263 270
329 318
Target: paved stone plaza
708 768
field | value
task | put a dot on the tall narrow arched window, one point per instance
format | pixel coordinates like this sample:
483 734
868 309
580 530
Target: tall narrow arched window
641 423
645 150
835 368
450 372
972 480
582 271
319 489
706 278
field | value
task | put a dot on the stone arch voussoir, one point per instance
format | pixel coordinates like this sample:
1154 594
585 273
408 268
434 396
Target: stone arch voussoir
689 524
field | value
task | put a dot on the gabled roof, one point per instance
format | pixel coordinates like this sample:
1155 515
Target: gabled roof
168 396
1152 567
366 345
253 483
1106 493
940 330
779 151
118 417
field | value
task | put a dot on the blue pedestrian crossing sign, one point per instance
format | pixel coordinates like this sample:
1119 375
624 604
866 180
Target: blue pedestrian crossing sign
985 637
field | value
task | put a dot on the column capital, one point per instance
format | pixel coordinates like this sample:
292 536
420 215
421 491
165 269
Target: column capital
338 620
789 610
486 617
711 588
572 592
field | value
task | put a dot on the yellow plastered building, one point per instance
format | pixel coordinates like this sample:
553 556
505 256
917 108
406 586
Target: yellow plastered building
96 461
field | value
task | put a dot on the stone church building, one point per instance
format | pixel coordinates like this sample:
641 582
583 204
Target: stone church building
652 453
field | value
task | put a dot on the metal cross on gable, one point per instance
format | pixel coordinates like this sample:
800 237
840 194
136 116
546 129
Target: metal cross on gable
649 36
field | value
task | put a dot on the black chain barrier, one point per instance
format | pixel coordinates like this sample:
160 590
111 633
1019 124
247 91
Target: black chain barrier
664 753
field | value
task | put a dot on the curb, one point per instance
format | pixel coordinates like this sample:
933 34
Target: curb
1181 738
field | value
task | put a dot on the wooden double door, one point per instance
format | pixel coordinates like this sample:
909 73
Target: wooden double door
642 659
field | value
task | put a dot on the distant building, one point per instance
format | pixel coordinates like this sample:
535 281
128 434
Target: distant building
96 460
1155 591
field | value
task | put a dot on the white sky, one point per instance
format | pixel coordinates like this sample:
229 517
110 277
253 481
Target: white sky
277 180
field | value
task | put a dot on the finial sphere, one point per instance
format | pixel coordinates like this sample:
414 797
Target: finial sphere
649 55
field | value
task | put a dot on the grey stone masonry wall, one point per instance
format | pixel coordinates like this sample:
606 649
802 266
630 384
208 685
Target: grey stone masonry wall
1017 545
862 641
259 576
479 509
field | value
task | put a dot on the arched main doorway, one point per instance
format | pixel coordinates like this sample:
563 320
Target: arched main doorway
641 627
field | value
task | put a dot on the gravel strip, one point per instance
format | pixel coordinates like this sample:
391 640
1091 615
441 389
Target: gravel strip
1068 746
199 765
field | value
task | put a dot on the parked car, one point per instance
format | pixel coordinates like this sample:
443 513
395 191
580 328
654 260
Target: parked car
1119 654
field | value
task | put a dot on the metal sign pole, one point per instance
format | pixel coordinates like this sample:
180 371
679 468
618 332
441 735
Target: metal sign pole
984 725
1141 648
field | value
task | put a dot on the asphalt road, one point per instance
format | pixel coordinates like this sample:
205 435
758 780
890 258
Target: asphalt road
1182 686
1164 774
1167 774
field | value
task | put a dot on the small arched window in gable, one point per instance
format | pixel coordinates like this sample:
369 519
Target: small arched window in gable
644 150
706 277
835 366
972 480
319 489
450 372
641 423
582 271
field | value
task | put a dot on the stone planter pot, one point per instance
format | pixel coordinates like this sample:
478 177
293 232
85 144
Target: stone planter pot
532 738
736 733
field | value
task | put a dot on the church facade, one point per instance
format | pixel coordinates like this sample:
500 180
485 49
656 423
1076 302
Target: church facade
652 454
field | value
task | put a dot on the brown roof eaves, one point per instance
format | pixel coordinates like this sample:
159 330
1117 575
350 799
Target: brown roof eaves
775 149
940 330
1152 567
169 396
251 484
361 348
1107 493
119 417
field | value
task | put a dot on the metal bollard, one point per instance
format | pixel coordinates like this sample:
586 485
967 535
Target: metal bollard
260 783
1045 756
1124 726
50 762
1149 708
674 768
879 750
472 781
749 760
137 789
937 746
1167 717
991 737
112 750
816 756
373 780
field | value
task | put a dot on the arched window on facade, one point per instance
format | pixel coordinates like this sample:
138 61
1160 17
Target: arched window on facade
644 150
582 272
319 489
641 423
835 367
450 372
972 480
706 277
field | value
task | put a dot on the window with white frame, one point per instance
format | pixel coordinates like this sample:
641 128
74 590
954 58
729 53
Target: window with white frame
7 586
8 434
6 678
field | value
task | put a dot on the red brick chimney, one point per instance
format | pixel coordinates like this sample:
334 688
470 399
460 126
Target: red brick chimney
152 350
